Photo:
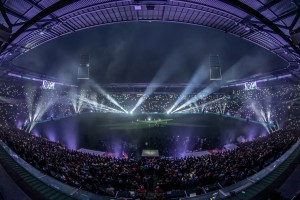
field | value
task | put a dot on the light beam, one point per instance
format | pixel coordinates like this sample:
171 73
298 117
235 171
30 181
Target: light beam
204 93
174 61
197 79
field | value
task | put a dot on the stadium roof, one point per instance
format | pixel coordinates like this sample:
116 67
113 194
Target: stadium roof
27 24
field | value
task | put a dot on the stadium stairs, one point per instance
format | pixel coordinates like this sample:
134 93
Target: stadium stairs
265 188
32 186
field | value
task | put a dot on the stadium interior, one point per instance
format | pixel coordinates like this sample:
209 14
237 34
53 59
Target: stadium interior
150 99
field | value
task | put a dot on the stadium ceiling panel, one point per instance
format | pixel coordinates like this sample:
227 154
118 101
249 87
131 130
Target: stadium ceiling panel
26 24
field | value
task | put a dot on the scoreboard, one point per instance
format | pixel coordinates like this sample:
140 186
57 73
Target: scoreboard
48 85
251 86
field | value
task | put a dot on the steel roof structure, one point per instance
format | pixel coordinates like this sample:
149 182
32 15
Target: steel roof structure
267 23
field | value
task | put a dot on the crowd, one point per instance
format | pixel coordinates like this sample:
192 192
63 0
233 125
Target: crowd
20 103
106 175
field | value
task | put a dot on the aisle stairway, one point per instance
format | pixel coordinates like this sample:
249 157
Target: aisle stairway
30 184
254 190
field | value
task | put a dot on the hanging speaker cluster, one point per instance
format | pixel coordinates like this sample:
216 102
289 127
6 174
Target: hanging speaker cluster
215 68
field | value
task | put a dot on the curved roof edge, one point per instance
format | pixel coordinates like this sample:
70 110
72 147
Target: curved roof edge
271 25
